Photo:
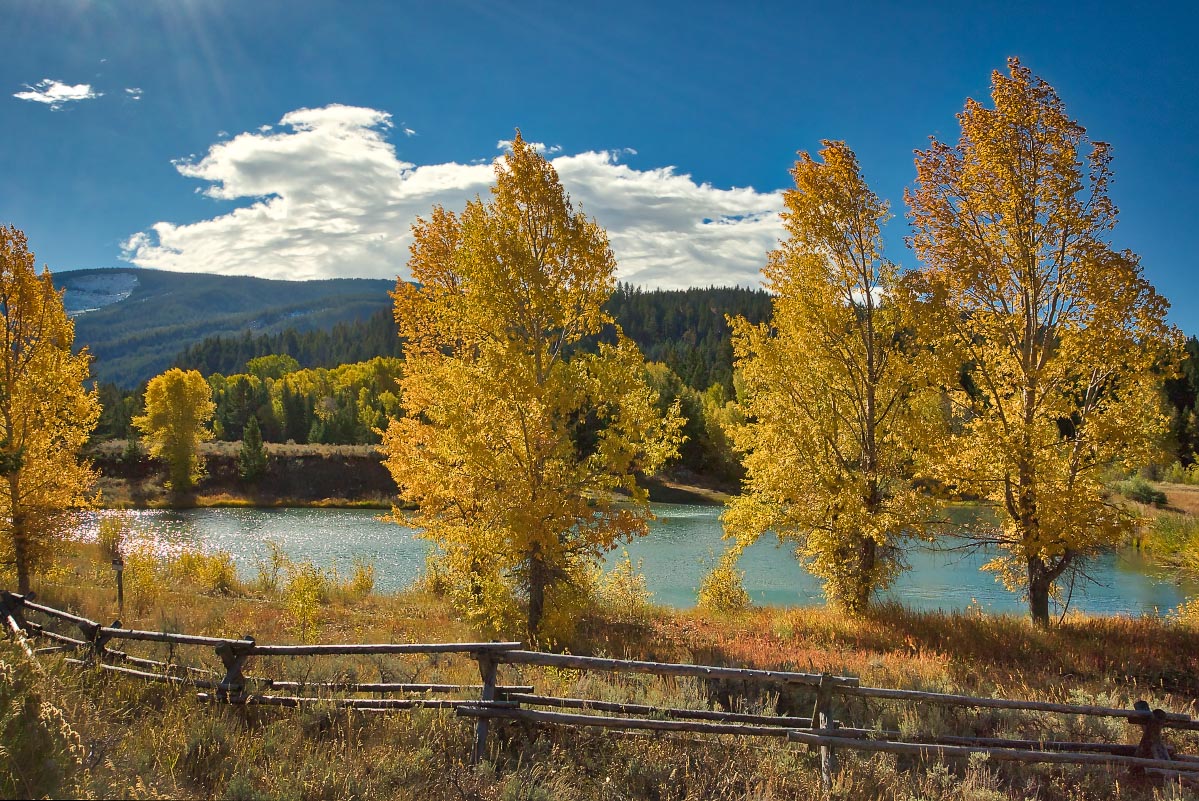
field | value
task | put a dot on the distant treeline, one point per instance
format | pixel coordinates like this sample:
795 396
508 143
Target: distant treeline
683 329
1182 396
339 385
342 405
344 343
686 329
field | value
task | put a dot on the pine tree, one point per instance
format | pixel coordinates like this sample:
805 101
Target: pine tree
251 459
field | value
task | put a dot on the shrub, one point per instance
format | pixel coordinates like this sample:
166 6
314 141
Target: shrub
1177 474
1176 538
144 579
40 754
723 590
623 594
362 582
112 533
270 569
213 573
1188 613
1139 490
306 591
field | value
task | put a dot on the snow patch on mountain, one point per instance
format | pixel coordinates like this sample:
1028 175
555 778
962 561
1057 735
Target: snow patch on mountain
94 291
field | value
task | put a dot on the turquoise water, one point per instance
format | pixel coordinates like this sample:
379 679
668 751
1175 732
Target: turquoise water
682 545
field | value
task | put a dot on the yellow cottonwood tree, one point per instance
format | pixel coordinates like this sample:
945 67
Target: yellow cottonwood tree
513 439
179 408
1048 334
832 408
46 415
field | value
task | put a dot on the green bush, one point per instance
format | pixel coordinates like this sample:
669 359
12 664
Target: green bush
1139 490
1177 474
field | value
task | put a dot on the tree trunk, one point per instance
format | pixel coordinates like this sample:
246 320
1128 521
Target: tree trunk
538 580
1041 576
1038 592
20 548
867 558
20 536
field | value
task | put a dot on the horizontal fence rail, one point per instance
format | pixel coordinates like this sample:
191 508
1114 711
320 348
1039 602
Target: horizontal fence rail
491 700
517 657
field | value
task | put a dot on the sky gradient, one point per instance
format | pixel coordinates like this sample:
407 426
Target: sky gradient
299 139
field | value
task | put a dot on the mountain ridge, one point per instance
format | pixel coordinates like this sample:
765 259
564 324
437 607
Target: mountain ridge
135 330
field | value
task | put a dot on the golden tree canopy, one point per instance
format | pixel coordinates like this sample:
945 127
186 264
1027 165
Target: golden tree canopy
513 437
46 415
833 416
179 408
1048 333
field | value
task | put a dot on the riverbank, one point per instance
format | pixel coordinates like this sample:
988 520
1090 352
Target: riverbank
312 476
319 476
110 736
1169 534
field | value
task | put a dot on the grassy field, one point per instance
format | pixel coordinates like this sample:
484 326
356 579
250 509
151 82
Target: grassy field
68 732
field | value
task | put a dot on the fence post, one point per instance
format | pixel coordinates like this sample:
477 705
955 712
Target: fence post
822 718
96 640
10 608
487 670
1150 745
233 657
828 754
11 604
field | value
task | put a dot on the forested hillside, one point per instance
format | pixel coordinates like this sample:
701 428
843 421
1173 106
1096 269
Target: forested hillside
684 329
135 322
336 385
346 342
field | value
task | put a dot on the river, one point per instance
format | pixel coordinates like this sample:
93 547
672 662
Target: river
683 543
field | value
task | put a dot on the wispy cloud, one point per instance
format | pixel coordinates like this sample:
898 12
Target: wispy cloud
56 93
328 197
133 93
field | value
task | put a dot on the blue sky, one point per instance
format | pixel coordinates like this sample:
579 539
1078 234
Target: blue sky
136 132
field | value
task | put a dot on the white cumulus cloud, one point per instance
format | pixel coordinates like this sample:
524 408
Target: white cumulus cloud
329 197
56 93
134 93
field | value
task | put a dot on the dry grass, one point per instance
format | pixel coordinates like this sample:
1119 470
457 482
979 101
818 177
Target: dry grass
155 741
1181 497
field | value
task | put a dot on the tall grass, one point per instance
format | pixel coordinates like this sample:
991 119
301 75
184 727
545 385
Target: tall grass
1174 538
147 741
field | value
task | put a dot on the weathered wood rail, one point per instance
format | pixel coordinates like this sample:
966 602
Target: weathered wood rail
490 700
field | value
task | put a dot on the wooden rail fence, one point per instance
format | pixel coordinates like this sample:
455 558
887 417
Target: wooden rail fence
1150 755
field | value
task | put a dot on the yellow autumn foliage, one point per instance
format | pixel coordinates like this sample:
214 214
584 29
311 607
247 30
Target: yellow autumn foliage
46 415
514 439
1047 335
179 408
834 409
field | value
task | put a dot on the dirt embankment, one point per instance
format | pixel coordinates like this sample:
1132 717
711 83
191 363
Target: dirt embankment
309 475
296 475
